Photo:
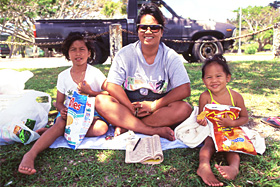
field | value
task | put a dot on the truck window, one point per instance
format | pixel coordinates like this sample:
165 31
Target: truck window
165 12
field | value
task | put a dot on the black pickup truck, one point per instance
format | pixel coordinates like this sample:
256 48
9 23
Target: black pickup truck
179 33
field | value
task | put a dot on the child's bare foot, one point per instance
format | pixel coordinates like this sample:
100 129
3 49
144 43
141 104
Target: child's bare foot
166 132
227 172
54 104
27 165
41 130
206 174
119 131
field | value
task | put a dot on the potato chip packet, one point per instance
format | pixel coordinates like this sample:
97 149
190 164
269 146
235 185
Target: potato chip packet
228 138
79 118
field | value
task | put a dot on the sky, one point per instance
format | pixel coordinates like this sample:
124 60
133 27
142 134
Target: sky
217 10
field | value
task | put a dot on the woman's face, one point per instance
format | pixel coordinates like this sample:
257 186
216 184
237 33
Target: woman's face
149 37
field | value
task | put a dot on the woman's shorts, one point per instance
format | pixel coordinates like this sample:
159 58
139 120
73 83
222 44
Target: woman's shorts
134 96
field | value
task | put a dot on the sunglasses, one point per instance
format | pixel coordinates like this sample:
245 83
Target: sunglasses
153 28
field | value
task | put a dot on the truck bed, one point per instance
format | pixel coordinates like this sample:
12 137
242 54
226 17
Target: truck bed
55 30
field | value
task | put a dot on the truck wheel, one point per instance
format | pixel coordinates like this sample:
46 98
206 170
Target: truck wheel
201 51
100 55
188 57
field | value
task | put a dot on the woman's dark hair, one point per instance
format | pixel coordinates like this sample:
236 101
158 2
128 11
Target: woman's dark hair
218 58
71 38
153 10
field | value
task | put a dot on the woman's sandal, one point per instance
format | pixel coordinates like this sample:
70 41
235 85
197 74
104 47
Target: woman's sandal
272 121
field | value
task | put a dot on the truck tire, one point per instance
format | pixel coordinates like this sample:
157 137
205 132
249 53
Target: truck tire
187 57
201 51
100 55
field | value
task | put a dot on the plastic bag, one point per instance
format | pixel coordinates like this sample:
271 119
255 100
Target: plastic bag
13 119
79 118
12 81
227 138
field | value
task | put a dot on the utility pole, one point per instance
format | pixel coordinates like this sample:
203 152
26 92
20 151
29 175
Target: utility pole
239 42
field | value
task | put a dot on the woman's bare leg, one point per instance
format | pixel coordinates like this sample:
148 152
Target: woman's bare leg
120 116
170 115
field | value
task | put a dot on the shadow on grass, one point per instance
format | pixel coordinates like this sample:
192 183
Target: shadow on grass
256 77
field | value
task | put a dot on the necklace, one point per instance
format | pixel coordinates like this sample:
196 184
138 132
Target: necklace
81 76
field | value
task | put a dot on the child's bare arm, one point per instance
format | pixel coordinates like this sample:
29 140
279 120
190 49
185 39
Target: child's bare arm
243 116
203 100
84 88
60 105
104 87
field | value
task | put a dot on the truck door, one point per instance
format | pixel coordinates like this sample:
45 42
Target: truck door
173 29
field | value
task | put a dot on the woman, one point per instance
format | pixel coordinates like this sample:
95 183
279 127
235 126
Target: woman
147 82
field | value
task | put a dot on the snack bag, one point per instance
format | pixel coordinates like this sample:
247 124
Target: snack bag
25 134
79 118
227 138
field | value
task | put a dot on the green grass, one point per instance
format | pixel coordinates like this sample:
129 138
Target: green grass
257 81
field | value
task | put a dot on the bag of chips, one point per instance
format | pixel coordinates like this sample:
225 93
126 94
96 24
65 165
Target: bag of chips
227 138
79 118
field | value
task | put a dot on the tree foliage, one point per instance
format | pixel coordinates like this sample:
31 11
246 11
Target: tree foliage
17 17
111 8
256 18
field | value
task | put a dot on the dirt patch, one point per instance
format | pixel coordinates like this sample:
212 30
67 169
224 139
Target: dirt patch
264 129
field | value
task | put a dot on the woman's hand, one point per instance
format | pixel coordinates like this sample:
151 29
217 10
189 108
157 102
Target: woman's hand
143 108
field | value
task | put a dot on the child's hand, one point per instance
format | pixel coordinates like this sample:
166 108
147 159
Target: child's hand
84 88
202 122
63 113
200 119
226 121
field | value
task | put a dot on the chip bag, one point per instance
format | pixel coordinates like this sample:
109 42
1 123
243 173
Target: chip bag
79 118
227 138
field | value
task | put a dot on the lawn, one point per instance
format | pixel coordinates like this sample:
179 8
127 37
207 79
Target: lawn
257 81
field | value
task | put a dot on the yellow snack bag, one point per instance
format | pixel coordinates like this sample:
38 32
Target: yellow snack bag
228 138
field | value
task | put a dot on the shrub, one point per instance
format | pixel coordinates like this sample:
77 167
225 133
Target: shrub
268 47
251 49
